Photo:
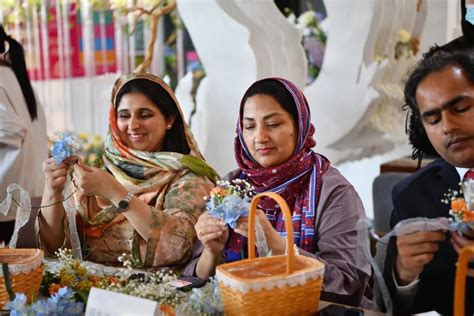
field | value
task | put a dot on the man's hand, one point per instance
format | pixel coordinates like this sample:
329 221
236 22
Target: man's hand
414 251
459 241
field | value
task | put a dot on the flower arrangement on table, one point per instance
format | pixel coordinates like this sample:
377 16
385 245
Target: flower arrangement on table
462 205
60 303
69 287
230 200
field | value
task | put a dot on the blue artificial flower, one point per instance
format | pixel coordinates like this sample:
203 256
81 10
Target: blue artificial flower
74 308
43 307
206 300
231 209
18 305
61 303
63 148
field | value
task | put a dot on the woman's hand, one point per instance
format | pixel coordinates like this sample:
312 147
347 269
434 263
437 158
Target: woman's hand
274 240
212 232
95 181
56 175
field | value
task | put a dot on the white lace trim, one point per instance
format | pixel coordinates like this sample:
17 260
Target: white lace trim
295 279
26 267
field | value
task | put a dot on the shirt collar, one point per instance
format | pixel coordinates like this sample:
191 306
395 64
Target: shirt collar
462 172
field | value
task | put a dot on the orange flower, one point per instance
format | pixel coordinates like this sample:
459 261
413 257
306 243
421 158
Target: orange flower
53 288
219 191
111 279
468 216
167 310
95 279
458 205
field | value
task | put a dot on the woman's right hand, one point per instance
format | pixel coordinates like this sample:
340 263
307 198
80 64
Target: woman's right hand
55 175
212 232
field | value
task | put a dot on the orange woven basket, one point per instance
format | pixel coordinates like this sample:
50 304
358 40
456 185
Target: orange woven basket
285 285
460 283
26 272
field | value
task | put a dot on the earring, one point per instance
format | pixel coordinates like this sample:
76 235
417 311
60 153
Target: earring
169 126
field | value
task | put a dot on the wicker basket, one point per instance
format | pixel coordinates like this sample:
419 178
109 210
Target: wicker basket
26 272
460 284
283 285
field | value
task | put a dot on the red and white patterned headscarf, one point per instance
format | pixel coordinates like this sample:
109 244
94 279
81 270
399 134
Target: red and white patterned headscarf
297 180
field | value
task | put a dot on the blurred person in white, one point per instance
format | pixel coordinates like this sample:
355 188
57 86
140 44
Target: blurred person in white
23 139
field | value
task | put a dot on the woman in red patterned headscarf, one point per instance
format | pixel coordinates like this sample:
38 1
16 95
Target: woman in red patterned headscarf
273 149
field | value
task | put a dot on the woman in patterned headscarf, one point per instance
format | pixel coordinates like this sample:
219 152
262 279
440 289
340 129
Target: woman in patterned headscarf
150 192
273 151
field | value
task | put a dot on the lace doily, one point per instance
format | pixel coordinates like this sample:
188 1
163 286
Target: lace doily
295 279
29 263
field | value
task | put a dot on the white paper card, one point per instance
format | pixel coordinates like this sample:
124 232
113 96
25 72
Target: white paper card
107 303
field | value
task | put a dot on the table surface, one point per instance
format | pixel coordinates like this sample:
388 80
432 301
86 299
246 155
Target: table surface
324 304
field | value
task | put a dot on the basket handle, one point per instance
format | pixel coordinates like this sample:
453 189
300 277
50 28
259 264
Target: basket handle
290 259
460 284
8 283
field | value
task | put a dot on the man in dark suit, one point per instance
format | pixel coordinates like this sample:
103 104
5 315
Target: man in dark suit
420 267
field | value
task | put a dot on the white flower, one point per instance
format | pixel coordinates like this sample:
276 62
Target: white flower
404 36
306 18
291 18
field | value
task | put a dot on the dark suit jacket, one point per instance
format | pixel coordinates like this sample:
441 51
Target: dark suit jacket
420 196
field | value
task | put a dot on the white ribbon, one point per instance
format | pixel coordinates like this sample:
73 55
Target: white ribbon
22 214
71 211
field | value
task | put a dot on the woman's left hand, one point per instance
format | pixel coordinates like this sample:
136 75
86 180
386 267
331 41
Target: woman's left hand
459 241
94 181
274 240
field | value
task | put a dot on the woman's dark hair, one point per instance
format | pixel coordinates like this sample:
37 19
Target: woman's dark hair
434 63
277 90
175 138
18 65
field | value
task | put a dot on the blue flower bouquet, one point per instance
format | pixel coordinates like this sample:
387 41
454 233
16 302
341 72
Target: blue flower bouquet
230 200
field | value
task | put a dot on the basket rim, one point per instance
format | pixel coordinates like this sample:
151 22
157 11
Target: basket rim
315 266
21 256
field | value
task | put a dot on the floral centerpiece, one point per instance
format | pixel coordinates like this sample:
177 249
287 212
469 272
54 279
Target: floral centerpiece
60 303
230 200
69 287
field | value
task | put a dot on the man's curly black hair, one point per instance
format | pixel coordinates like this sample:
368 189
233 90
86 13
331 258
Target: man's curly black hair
433 61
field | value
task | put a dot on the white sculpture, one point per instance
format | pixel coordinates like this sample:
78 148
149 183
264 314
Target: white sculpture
233 60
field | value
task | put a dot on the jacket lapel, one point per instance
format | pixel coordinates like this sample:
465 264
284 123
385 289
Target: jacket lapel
446 178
